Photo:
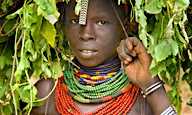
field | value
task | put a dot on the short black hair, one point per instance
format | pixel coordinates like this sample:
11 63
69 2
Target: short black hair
120 9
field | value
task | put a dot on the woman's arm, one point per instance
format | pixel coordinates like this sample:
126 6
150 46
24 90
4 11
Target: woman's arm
136 62
44 87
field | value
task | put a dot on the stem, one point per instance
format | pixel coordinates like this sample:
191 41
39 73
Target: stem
22 95
21 84
31 93
2 110
48 94
16 40
48 53
13 70
58 59
67 58
132 11
5 48
125 32
184 32
27 76
161 33
168 12
31 101
1 29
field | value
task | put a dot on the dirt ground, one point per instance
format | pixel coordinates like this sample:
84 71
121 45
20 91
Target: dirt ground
186 94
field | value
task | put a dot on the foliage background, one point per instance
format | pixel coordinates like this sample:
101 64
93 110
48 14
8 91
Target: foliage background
33 44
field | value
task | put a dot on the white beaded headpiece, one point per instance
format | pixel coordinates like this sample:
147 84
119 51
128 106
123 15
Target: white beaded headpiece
83 12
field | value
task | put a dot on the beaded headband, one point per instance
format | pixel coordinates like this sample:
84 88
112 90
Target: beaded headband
83 12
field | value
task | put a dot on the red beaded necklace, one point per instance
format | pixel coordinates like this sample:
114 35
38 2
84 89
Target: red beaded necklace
120 105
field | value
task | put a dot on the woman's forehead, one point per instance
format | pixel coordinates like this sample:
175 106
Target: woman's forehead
94 6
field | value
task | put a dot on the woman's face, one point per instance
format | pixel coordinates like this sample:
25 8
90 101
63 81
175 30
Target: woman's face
96 42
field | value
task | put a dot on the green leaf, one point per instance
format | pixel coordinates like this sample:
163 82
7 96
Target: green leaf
164 76
48 10
37 68
46 70
169 29
8 109
156 32
162 50
3 5
4 88
36 34
11 2
154 6
29 46
57 70
34 104
143 37
138 3
24 94
157 67
35 91
2 77
3 39
78 7
119 1
30 16
10 24
24 64
174 46
8 72
28 87
141 19
182 3
17 100
49 33
189 102
2 62
13 15
178 35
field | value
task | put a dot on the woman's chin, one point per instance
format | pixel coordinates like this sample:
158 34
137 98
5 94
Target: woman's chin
89 63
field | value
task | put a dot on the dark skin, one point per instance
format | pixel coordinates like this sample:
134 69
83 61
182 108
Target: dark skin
97 42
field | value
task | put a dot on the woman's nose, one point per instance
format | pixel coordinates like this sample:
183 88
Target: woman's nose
87 32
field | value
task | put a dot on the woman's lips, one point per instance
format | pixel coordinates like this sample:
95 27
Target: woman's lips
87 53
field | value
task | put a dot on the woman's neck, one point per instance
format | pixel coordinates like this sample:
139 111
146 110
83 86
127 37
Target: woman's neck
104 68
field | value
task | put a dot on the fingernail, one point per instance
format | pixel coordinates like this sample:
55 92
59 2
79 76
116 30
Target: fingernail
125 62
129 59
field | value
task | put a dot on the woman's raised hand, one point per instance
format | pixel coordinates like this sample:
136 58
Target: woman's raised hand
136 62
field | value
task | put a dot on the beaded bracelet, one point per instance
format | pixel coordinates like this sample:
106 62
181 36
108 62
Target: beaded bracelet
170 111
152 88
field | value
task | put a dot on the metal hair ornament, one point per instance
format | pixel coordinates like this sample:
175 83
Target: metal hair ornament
83 12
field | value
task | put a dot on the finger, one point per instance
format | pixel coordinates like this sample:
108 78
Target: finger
128 44
141 51
138 46
130 52
129 48
122 55
125 62
125 58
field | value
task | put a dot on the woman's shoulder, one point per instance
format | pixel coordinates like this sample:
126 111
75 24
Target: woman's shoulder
44 87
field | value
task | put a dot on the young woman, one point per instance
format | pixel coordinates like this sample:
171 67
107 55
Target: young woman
98 46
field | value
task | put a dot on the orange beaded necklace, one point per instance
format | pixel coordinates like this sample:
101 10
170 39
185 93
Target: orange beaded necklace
120 105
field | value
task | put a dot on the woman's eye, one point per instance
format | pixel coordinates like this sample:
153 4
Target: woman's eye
75 21
102 22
